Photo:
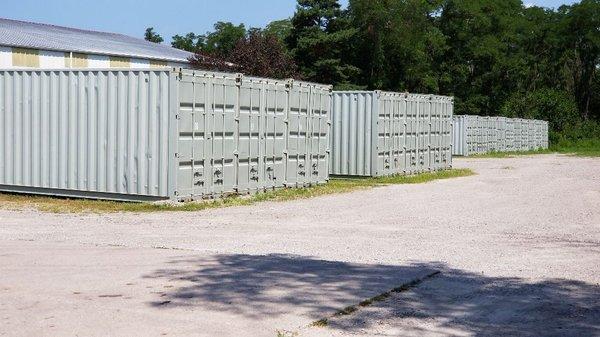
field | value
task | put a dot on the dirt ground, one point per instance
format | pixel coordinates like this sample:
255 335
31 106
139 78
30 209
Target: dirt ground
517 247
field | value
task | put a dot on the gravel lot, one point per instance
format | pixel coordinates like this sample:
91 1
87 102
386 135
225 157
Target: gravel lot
518 248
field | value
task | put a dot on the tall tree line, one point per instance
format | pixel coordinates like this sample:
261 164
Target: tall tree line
495 57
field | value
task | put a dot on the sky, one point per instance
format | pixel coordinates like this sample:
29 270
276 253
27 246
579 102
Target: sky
168 17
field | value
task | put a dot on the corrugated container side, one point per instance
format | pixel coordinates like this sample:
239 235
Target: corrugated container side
459 136
352 133
85 133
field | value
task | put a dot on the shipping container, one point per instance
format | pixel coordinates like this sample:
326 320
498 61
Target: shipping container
479 135
376 133
159 134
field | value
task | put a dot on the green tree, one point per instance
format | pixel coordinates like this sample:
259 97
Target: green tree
555 106
538 59
152 36
189 42
398 44
321 42
223 39
581 30
281 29
482 60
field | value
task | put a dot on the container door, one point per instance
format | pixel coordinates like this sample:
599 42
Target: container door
207 107
273 173
436 134
191 179
251 135
411 134
298 163
384 139
424 132
447 113
319 127
221 96
399 135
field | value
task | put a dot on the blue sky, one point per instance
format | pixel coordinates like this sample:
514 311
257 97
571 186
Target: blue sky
169 17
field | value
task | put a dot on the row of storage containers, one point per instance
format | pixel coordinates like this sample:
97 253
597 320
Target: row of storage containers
182 134
159 134
480 135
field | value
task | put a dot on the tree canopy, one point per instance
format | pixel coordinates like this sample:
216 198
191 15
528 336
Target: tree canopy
152 36
495 57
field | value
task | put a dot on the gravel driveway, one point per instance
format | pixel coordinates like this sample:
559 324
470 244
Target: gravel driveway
517 247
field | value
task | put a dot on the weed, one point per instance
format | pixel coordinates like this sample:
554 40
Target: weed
284 333
320 323
379 298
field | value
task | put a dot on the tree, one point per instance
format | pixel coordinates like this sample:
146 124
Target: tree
493 56
582 35
263 54
555 106
223 39
189 42
480 66
321 42
399 44
280 29
259 53
152 36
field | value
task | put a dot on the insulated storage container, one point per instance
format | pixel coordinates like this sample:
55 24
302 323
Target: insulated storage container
159 134
375 133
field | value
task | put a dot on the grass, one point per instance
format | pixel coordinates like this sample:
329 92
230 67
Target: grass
579 149
335 185
511 154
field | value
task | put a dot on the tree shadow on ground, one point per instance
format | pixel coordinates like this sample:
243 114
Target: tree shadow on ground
277 285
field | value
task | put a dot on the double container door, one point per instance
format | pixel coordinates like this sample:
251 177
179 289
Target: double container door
414 134
240 135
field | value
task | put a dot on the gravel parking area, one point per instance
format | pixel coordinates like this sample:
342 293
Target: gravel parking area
517 247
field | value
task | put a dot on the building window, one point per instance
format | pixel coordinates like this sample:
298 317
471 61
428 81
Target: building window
119 62
22 57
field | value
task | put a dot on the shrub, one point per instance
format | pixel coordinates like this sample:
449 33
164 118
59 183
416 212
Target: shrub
555 106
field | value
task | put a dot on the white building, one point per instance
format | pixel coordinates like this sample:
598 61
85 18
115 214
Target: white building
42 46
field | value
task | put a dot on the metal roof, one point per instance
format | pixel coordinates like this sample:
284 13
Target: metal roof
49 37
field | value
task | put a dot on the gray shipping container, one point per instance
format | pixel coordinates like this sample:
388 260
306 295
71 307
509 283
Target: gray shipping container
479 135
159 134
377 133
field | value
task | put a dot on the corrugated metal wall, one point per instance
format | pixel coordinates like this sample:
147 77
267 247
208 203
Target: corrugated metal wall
479 135
352 135
244 134
382 133
99 132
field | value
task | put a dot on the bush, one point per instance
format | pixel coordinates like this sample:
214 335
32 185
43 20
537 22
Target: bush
555 106
579 132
